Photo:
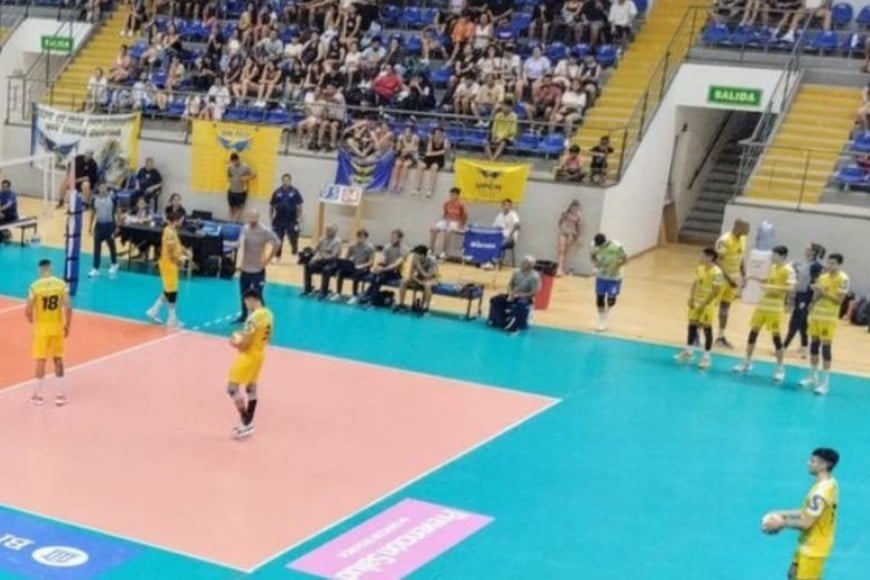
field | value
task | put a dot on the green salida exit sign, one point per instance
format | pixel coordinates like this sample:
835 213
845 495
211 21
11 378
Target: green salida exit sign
57 43
734 96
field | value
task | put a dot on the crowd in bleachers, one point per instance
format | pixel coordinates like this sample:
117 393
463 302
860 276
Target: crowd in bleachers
320 65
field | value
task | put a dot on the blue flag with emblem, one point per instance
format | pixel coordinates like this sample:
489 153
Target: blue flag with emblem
370 174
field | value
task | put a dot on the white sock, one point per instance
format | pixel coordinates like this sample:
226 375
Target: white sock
825 376
40 383
172 312
814 373
157 305
59 388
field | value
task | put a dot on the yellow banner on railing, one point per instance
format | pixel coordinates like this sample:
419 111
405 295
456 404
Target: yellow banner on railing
491 182
212 145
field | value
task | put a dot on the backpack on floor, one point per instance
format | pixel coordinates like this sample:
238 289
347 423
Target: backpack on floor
501 313
860 312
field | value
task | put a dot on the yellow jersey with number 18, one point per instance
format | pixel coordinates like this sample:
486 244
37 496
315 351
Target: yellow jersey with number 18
821 503
731 249
260 325
48 296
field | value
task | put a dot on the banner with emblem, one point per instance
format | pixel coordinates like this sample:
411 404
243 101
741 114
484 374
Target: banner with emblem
370 174
212 145
65 134
490 181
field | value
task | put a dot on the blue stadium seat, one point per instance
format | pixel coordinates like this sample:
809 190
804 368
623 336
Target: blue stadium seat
176 109
862 142
853 44
475 137
851 175
552 145
606 55
410 17
760 38
230 233
236 114
641 6
427 17
825 42
505 33
863 19
440 76
159 79
138 49
288 33
715 34
740 36
527 143
390 15
521 22
556 51
580 50
257 114
842 14
233 9
414 44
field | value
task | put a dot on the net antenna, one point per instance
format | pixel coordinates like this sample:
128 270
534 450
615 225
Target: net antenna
35 176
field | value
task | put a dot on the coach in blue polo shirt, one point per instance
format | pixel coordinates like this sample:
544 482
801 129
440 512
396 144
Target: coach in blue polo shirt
286 207
8 203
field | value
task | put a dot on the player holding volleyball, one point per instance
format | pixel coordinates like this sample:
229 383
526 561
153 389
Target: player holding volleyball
816 520
706 290
172 254
245 372
50 312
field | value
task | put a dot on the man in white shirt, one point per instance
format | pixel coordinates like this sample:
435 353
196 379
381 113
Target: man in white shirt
509 222
621 18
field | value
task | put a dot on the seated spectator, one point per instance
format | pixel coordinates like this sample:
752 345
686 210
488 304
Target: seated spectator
323 262
725 11
487 98
117 174
140 213
590 77
174 210
621 19
420 94
358 265
453 219
534 69
315 113
595 15
422 275
387 86
407 156
546 98
569 24
864 109
464 94
811 9
523 286
503 130
123 68
600 154
149 184
8 207
333 119
570 109
508 220
217 101
434 159
98 91
570 166
389 268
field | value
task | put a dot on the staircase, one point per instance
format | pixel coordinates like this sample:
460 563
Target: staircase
71 87
820 119
704 223
625 87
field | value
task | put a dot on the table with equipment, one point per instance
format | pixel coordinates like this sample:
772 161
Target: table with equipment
204 240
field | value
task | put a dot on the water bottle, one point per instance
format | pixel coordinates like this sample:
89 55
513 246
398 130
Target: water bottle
765 237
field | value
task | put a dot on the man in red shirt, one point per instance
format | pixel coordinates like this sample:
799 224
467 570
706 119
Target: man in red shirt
452 220
387 85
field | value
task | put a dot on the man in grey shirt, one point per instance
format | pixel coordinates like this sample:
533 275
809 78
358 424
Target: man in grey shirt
323 261
389 269
239 176
523 286
103 222
257 247
358 265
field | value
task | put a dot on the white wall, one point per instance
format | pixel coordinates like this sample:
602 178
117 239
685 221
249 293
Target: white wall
845 234
633 209
33 29
701 127
544 201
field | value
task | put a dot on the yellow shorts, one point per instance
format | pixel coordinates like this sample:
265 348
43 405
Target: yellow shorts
771 321
50 346
822 329
246 369
169 277
702 316
730 293
806 568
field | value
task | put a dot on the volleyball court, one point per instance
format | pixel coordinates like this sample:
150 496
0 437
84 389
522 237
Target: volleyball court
144 450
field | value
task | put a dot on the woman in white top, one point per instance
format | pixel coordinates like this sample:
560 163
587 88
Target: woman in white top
534 69
490 63
352 58
570 110
482 33
408 154
98 92
567 70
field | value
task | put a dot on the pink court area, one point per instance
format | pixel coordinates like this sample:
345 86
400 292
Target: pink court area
144 448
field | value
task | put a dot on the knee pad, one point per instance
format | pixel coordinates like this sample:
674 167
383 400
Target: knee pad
826 352
233 390
724 307
611 301
599 300
171 297
777 342
252 392
814 346
753 336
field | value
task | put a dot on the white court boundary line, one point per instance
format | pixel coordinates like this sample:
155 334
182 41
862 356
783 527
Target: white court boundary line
409 483
11 308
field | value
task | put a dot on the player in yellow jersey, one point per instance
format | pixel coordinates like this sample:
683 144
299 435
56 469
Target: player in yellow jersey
172 255
816 520
780 282
609 257
245 372
829 291
50 312
731 248
703 298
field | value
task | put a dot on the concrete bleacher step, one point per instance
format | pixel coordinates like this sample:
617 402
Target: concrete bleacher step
805 150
